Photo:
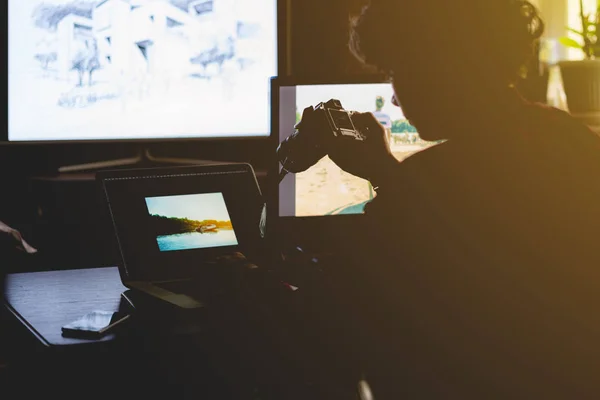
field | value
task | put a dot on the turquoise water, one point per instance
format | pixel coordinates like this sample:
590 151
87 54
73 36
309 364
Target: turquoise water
196 240
350 209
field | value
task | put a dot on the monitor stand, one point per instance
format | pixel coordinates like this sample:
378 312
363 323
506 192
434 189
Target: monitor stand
142 156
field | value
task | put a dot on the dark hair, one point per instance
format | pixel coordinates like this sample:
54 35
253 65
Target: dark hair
497 36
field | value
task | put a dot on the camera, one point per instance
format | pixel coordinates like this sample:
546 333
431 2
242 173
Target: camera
321 127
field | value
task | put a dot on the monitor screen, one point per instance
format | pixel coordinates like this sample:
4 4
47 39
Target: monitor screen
325 189
140 69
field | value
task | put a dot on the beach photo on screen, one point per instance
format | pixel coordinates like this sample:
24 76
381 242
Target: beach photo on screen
326 189
192 221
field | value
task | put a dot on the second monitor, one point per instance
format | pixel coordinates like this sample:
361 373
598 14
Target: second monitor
325 189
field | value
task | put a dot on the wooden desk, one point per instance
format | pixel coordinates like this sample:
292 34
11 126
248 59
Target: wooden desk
231 359
148 365
117 369
45 301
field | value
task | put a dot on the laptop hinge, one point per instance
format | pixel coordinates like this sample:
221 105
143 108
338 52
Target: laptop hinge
180 300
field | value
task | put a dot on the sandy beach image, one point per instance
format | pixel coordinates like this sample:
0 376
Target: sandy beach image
325 189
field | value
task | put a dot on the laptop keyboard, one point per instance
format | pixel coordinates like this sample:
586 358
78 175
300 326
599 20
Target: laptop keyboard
180 287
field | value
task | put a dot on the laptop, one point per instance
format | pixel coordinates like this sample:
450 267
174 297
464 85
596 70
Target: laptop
177 228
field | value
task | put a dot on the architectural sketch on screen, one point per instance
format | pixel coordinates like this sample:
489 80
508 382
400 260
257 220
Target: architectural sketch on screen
100 56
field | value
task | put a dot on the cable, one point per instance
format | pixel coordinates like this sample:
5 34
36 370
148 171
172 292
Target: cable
282 174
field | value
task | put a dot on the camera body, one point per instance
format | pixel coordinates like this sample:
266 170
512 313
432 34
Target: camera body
339 120
320 128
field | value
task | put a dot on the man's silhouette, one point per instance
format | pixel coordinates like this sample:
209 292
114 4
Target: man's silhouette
488 286
476 271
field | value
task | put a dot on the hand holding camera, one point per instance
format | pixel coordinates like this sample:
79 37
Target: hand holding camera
356 142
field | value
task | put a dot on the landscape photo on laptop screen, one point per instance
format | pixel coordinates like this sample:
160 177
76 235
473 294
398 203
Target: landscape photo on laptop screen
140 69
192 221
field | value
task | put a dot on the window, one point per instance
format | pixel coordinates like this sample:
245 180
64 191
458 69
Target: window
203 7
171 23
246 30
144 47
81 31
574 21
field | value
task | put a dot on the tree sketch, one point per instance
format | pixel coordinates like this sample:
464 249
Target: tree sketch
46 58
86 60
218 54
47 16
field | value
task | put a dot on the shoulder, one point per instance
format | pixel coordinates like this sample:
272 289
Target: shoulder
548 122
559 137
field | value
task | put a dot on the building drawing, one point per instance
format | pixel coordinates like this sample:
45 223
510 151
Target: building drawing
152 37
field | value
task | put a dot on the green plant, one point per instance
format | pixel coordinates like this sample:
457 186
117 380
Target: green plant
589 44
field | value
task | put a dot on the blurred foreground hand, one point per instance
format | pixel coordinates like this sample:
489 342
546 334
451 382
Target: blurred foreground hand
14 239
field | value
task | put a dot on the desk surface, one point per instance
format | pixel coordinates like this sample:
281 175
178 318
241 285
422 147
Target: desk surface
45 301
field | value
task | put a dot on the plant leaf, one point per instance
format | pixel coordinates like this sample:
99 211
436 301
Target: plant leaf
567 41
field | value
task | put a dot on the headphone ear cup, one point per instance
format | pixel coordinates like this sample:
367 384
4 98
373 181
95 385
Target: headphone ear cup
262 223
364 390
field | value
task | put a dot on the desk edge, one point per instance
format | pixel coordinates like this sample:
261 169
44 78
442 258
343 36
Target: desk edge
22 320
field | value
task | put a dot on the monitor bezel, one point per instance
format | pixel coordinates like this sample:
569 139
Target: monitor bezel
282 60
333 230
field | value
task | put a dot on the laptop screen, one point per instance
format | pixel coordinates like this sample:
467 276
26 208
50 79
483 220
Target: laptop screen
190 221
171 222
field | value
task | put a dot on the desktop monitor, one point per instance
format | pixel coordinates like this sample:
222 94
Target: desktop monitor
139 70
324 195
